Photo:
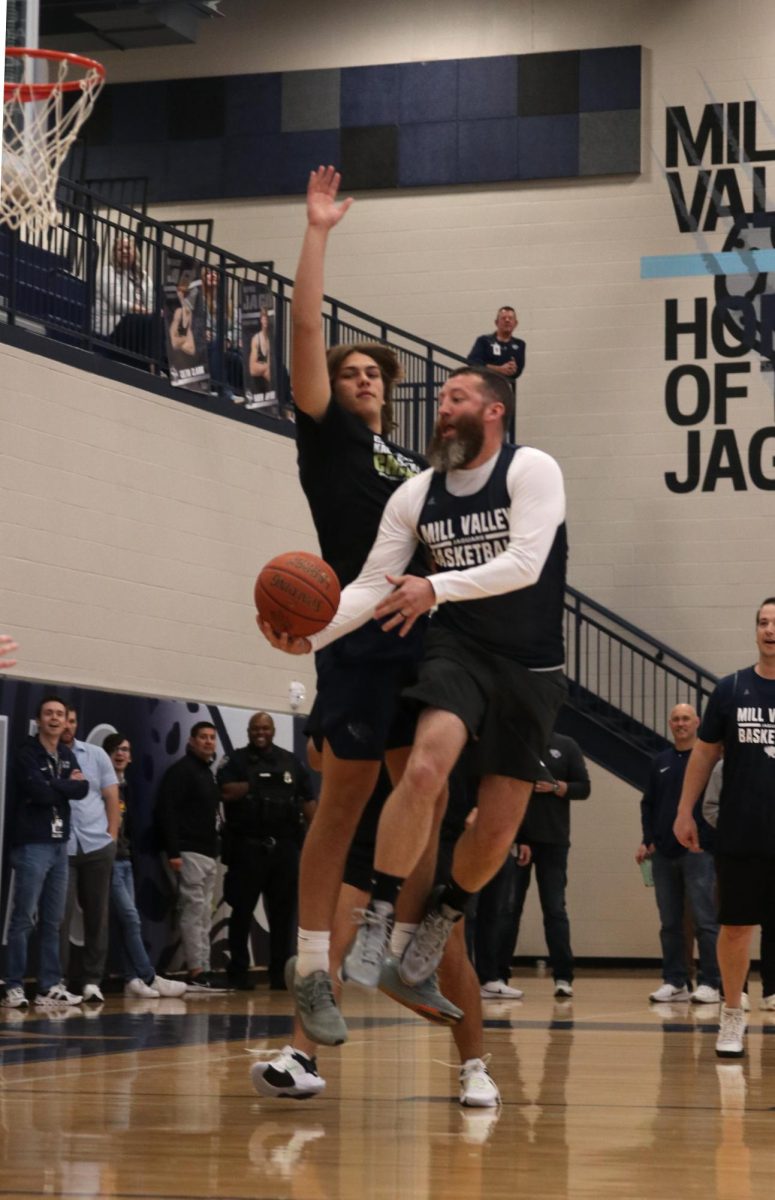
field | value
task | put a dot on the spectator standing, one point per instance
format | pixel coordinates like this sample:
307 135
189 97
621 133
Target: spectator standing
501 351
47 778
545 832
187 814
140 977
267 797
738 722
678 875
91 851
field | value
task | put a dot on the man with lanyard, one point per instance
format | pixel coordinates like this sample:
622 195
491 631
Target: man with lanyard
500 351
740 723
268 797
47 778
493 517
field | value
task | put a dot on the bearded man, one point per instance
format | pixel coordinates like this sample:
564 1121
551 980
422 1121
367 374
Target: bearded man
492 516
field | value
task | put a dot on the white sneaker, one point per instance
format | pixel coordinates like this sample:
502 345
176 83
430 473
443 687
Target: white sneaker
563 989
174 988
668 992
477 1087
14 998
56 997
138 987
286 1072
729 1043
496 989
768 1003
745 1003
93 992
704 994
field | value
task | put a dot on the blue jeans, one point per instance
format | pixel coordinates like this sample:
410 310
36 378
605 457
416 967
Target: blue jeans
690 876
135 962
40 891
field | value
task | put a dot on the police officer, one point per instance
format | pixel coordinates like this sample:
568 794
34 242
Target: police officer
267 797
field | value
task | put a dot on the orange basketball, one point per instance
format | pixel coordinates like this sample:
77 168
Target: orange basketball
297 593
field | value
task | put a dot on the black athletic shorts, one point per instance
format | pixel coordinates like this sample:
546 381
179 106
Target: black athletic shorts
746 890
508 710
359 708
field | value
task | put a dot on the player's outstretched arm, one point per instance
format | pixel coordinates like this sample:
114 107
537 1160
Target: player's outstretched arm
309 374
7 647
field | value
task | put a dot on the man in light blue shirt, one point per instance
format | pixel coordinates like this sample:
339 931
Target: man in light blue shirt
91 851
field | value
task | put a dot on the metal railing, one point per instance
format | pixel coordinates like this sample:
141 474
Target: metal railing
627 679
57 281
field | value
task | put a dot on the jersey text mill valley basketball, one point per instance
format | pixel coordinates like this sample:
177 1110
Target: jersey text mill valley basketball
713 185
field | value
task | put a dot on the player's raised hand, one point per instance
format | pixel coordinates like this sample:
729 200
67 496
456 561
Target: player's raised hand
323 210
282 641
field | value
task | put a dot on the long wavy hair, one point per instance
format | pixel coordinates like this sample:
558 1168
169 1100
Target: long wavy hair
389 368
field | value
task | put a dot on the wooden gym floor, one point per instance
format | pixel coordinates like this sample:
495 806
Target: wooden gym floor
604 1097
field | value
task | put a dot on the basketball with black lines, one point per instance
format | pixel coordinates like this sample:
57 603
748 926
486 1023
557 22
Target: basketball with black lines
297 593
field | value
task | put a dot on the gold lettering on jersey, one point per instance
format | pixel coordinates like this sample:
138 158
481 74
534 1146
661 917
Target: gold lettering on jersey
392 464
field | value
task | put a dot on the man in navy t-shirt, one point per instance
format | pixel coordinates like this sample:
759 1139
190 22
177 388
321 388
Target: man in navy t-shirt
740 723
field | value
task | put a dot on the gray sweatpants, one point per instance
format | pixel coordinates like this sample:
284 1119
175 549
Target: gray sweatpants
195 907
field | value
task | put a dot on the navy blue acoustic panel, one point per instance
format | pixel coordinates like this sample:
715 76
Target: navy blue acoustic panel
427 154
370 95
424 124
487 87
488 150
427 92
549 147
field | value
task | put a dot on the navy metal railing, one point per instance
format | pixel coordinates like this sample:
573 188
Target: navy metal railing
57 281
624 677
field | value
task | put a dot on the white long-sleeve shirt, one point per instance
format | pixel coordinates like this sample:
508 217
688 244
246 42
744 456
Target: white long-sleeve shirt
537 494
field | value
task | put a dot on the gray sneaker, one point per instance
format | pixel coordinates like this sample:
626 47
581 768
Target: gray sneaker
363 961
426 999
316 1007
426 949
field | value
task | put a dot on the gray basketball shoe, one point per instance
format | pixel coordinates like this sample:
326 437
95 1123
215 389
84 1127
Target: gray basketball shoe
363 961
426 949
320 1019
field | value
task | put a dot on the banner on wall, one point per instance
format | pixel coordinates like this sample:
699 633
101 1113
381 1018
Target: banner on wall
185 322
158 731
259 348
715 171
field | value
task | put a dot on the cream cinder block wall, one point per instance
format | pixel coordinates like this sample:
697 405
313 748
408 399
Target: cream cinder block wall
132 531
611 913
689 568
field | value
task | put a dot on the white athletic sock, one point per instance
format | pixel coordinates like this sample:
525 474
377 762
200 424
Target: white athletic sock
312 948
401 937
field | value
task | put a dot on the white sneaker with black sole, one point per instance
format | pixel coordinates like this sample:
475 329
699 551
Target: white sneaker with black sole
563 990
729 1043
93 994
286 1073
668 993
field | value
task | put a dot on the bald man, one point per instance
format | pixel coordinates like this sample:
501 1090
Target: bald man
679 875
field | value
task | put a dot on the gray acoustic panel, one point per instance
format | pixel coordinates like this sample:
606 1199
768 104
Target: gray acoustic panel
609 142
310 100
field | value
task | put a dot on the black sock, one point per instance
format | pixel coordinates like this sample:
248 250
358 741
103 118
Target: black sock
454 896
385 887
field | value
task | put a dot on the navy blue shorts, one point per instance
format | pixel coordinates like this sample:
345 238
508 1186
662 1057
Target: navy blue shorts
359 708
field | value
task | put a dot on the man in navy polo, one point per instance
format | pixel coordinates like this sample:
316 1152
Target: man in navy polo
501 351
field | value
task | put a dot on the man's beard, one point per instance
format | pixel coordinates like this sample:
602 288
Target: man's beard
449 454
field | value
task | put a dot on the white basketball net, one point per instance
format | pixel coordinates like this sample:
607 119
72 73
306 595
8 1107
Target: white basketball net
37 135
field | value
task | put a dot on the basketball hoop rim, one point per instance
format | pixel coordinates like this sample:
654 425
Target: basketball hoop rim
25 93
